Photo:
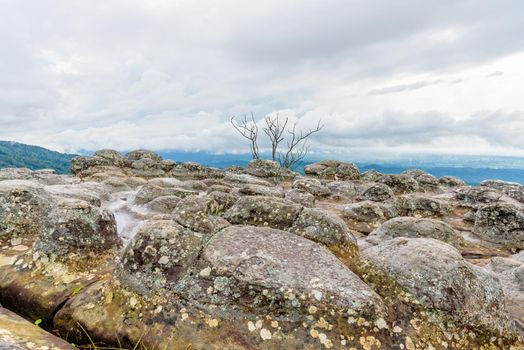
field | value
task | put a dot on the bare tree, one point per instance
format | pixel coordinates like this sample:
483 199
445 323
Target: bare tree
274 130
249 130
296 147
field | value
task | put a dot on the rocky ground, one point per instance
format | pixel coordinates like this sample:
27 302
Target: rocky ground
136 249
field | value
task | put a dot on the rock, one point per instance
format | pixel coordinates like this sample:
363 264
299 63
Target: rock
500 223
324 227
426 181
17 333
378 192
81 163
473 196
233 179
333 170
371 175
268 169
74 192
75 227
451 181
257 190
115 157
116 184
511 189
148 192
200 214
23 207
163 204
224 200
426 206
366 212
416 228
519 276
191 170
220 188
148 168
263 211
303 198
142 154
500 264
159 254
250 259
313 186
400 184
342 189
438 278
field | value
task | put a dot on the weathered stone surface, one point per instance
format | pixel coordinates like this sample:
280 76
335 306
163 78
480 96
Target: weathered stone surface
303 198
324 227
500 223
116 184
74 192
451 181
378 193
313 186
23 207
142 154
163 204
474 196
17 333
342 189
263 211
75 227
367 212
333 170
199 213
148 192
416 228
400 184
191 170
371 175
159 254
81 163
426 181
268 169
115 157
426 206
257 190
511 189
441 280
148 168
224 200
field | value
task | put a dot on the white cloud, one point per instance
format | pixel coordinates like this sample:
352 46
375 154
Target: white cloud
385 77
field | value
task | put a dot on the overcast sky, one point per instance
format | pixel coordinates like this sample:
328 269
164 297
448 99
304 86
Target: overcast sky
386 77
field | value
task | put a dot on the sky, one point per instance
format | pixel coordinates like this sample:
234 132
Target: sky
385 77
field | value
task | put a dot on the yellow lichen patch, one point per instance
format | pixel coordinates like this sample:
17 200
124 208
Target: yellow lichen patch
274 324
312 309
409 344
313 333
381 324
369 342
265 334
251 326
322 323
212 323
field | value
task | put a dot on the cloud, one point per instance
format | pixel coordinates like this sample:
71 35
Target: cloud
403 75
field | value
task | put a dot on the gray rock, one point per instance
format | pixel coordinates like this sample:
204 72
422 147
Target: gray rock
342 189
224 200
451 181
263 211
191 170
116 184
378 192
365 211
199 213
416 228
81 163
400 183
427 206
23 207
148 168
258 190
511 189
115 157
74 192
333 170
159 254
148 192
500 223
142 154
220 188
74 226
268 169
474 196
371 175
303 198
426 181
313 186
163 204
324 227
441 280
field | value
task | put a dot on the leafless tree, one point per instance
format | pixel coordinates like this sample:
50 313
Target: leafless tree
249 130
296 146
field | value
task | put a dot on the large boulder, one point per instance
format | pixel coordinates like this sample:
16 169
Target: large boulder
82 163
440 280
191 170
416 228
114 156
313 186
148 168
303 198
159 254
163 204
324 227
377 193
475 196
511 189
149 191
76 228
263 211
422 205
142 154
75 192
258 190
200 214
451 181
363 216
333 170
23 207
268 169
426 181
400 183
500 223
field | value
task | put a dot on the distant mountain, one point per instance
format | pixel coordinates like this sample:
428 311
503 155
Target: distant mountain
19 155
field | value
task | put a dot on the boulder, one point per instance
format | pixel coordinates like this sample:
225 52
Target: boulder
451 181
258 190
23 207
148 168
199 213
371 175
426 181
377 193
268 169
163 204
148 192
303 198
142 154
263 211
510 189
115 157
441 281
324 227
500 223
333 170
313 186
74 227
191 170
400 183
81 163
416 228
342 189
475 196
74 192
426 206
159 254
